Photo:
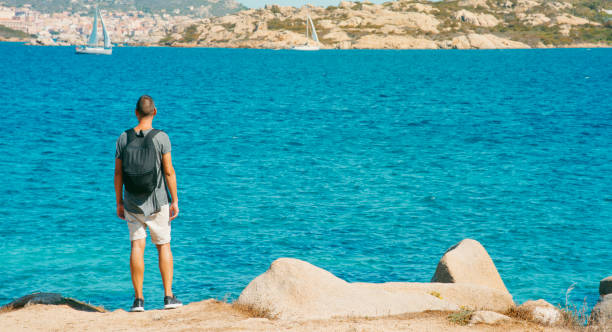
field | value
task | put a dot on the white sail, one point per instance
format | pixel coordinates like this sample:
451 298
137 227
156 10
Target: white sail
314 31
310 32
93 38
92 45
107 41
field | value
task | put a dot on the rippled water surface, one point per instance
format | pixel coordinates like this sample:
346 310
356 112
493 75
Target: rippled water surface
369 164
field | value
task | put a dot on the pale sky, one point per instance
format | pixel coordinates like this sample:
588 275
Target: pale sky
295 3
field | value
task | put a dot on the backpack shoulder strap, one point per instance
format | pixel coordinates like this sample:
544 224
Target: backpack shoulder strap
131 135
151 134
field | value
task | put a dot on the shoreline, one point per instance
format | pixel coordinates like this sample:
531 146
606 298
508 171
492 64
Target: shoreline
221 316
571 46
466 293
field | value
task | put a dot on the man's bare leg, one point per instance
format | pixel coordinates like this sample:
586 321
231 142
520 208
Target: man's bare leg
137 266
166 267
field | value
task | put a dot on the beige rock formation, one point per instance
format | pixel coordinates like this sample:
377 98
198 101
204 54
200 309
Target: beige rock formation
474 3
296 290
474 297
525 5
394 42
487 317
337 36
468 262
423 8
558 5
533 19
571 20
542 312
565 29
481 20
326 24
486 41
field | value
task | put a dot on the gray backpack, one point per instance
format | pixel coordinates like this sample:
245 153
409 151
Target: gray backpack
139 162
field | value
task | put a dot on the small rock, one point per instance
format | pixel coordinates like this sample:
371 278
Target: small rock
605 286
542 311
49 298
468 262
487 317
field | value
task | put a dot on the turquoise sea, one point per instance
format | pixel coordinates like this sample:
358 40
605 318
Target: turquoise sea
369 164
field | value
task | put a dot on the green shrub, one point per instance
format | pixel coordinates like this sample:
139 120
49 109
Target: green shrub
295 25
190 34
461 317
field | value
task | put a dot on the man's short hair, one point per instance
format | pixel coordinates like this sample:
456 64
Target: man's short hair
145 105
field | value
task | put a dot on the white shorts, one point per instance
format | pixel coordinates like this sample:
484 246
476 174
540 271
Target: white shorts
158 224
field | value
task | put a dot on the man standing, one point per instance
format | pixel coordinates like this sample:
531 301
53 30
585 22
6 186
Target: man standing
144 167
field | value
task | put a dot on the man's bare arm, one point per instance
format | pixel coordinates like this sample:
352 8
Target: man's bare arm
119 188
171 183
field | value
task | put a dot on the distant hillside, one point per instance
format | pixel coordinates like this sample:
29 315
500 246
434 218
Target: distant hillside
7 33
199 8
411 24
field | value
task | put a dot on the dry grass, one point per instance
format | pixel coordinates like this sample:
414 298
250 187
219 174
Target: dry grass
253 312
520 314
573 316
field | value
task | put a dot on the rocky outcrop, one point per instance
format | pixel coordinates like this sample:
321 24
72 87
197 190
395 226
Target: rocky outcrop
474 3
296 290
605 286
394 42
533 19
486 41
487 317
602 312
336 36
542 312
572 20
481 20
468 262
470 296
49 298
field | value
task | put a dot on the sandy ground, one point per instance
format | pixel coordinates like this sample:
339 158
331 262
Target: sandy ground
212 315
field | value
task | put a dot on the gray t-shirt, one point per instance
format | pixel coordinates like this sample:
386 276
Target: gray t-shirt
147 204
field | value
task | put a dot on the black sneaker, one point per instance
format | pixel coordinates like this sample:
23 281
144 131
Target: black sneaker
138 305
171 302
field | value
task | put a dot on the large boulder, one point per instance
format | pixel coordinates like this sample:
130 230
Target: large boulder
292 289
481 20
468 262
542 312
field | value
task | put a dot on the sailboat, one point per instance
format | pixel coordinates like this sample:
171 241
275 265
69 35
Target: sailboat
92 45
310 30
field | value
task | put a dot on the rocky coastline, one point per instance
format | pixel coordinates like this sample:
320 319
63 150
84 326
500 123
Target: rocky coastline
407 24
400 24
466 293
